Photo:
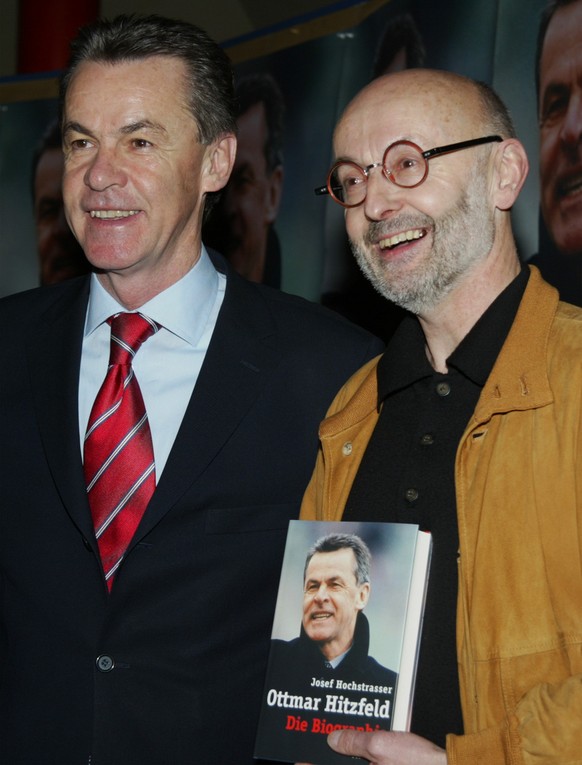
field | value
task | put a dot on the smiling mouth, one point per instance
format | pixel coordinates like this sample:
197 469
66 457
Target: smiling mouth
320 616
112 214
403 237
570 186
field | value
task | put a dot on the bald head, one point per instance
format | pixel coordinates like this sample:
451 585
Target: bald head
454 105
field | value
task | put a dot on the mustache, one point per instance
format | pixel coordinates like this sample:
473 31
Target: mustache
381 229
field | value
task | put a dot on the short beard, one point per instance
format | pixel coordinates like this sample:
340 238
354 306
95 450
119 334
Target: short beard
461 237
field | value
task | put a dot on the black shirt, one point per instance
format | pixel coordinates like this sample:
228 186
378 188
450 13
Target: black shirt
407 475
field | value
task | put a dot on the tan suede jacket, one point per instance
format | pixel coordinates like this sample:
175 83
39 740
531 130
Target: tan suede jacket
518 475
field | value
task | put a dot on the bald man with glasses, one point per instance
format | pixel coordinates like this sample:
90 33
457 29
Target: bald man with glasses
469 424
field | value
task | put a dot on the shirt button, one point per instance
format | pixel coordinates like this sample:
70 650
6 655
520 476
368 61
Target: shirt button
427 439
443 389
347 449
411 495
105 663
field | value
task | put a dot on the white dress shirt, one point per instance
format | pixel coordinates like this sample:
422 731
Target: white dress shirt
168 363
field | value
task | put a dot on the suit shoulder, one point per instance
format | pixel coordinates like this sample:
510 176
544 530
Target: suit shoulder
29 306
382 675
305 317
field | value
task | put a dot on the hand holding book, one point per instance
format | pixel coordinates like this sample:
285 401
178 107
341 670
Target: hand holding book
387 748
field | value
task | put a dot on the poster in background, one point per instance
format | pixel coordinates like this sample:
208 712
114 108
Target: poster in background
22 124
494 42
490 42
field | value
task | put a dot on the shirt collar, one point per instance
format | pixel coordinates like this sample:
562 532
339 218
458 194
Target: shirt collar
334 663
404 361
183 308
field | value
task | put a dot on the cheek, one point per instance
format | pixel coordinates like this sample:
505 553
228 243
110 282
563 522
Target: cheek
548 148
72 188
248 203
253 195
43 233
355 224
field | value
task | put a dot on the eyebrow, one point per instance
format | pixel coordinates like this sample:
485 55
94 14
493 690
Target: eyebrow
244 167
396 140
132 127
74 127
327 580
136 127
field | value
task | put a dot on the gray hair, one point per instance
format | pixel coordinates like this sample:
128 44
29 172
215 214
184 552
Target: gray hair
130 38
495 112
333 542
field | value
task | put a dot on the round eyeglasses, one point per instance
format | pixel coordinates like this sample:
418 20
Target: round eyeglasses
404 163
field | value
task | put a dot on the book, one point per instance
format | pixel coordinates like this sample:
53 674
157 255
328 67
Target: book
345 638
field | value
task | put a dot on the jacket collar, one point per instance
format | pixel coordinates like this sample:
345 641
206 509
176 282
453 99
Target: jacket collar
518 380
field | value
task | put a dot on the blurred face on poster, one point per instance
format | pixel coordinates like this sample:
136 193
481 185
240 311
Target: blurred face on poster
239 227
59 253
251 199
332 600
560 115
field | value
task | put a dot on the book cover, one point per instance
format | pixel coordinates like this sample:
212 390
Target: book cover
345 636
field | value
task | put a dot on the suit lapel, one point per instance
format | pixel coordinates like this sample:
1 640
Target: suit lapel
54 353
241 356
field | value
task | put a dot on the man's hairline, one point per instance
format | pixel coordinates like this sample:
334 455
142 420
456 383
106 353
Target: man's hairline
186 75
330 552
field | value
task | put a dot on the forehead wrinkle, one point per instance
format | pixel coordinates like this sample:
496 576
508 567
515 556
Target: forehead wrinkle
70 126
135 127
444 100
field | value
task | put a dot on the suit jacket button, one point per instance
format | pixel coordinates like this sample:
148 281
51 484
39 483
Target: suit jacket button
105 663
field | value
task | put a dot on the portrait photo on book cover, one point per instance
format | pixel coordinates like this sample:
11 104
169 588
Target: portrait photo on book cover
337 636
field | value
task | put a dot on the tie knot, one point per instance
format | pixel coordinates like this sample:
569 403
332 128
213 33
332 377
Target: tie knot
128 332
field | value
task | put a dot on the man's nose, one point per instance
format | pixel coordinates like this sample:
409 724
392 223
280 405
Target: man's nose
105 170
571 132
322 592
383 197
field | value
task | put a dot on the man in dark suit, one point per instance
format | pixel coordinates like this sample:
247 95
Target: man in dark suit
135 628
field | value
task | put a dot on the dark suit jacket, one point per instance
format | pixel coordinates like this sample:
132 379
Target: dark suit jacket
187 625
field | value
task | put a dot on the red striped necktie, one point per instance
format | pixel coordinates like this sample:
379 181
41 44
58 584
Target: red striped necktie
119 457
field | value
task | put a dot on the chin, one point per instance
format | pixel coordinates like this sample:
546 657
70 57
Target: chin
318 637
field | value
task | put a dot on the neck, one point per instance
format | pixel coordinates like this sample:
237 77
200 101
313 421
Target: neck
331 651
448 323
132 289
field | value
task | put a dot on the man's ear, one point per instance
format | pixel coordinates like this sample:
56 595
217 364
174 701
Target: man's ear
511 168
363 596
274 193
219 162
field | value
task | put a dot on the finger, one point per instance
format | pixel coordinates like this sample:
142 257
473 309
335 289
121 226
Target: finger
351 742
